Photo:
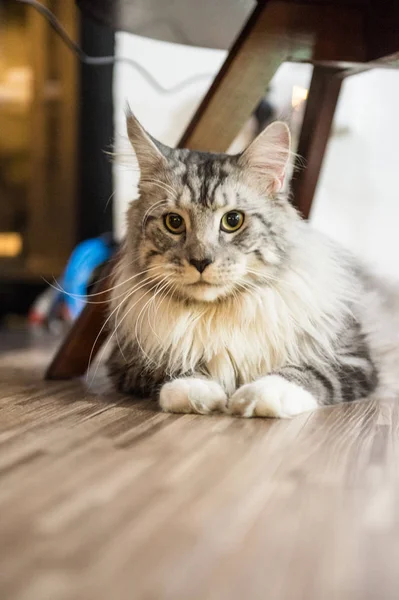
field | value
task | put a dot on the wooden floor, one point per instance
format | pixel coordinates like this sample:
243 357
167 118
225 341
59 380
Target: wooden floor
105 498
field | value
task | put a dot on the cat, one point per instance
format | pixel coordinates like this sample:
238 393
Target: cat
225 300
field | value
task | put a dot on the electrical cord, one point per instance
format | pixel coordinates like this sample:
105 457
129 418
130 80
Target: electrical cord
101 61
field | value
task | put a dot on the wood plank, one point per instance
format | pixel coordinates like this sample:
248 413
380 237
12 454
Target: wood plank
104 496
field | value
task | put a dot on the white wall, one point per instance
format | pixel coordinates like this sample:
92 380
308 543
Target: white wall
357 200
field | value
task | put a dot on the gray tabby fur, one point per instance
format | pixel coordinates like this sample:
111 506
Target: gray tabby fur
281 321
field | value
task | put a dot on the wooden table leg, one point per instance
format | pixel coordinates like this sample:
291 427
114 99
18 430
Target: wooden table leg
319 114
86 336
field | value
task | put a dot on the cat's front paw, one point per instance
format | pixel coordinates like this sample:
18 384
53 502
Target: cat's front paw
192 395
271 396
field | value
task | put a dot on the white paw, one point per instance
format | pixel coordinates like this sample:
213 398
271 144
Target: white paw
271 396
192 395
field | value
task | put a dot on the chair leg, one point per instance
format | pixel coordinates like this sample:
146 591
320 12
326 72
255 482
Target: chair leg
319 115
86 336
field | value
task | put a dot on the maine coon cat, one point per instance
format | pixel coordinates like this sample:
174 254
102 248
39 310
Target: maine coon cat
224 299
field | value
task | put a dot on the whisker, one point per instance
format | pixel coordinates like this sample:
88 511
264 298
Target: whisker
85 296
117 327
260 274
128 295
161 184
265 277
149 211
109 200
57 286
155 309
268 278
235 295
175 288
142 312
117 317
250 290
149 278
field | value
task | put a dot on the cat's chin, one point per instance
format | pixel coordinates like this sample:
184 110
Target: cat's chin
204 292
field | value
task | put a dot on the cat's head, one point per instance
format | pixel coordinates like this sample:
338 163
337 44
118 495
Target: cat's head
210 225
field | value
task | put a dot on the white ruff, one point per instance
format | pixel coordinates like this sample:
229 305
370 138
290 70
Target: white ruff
239 340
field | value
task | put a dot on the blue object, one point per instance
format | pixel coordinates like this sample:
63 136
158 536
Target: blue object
84 260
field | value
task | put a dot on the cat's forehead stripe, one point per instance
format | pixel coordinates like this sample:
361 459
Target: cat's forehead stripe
202 175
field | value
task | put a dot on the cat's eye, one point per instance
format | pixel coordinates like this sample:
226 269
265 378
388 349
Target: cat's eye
174 223
232 221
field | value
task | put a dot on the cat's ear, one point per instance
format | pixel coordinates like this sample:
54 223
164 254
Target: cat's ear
266 157
150 154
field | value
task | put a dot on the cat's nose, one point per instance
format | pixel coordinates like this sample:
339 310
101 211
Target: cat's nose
200 265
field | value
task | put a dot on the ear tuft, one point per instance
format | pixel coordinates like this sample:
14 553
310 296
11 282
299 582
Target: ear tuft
147 150
266 157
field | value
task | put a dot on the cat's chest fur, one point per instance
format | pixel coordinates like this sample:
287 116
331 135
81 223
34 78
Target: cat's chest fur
234 341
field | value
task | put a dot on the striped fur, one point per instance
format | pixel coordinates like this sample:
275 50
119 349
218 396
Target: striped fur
279 322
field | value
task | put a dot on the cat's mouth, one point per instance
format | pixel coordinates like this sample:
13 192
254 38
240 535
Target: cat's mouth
204 291
200 282
204 283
